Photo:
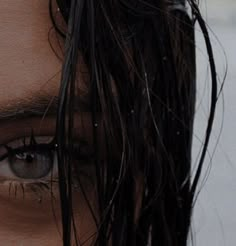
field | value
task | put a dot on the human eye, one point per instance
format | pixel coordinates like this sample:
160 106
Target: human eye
28 161
34 160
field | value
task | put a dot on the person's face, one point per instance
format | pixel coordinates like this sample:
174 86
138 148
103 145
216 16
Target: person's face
29 83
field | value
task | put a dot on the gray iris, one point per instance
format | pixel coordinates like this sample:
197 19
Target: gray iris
31 165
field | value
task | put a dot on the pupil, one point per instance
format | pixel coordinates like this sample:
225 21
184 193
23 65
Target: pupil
29 158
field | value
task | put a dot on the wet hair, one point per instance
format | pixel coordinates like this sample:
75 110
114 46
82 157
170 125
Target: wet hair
140 58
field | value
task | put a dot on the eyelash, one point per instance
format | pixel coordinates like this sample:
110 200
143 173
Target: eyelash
38 188
52 146
32 146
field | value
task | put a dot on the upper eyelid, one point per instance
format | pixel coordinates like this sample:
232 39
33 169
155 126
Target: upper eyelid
18 128
34 147
83 153
27 147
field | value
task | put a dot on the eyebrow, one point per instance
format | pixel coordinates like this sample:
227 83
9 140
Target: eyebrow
38 107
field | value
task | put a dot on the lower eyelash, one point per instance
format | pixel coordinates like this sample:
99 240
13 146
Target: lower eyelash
16 188
39 189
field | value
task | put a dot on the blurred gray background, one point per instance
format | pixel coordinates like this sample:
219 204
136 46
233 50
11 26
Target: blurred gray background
214 222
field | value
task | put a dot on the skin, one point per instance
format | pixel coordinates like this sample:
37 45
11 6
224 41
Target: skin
30 75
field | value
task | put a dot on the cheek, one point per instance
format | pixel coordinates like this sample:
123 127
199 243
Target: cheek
26 220
31 222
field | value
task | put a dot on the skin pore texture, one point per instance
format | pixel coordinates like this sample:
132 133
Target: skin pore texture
29 82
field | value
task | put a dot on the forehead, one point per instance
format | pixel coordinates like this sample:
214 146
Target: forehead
27 65
30 71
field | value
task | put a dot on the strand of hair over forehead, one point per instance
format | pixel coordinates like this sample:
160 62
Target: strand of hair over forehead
135 52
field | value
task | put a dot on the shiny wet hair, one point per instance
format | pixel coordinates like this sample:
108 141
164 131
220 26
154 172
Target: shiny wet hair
140 58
